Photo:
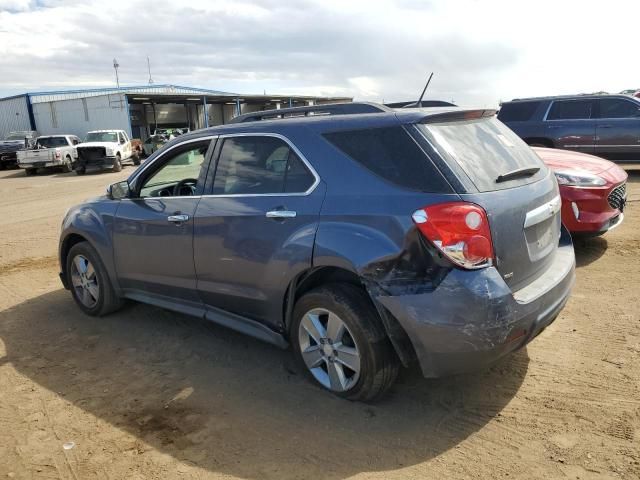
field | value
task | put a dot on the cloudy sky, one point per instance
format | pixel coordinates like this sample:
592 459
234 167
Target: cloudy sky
481 51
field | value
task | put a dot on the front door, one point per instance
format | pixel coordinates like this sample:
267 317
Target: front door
256 229
571 124
618 129
153 231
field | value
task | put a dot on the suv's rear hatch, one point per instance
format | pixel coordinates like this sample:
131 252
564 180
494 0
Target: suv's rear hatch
499 172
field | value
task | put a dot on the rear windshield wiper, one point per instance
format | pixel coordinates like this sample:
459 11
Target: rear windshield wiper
520 172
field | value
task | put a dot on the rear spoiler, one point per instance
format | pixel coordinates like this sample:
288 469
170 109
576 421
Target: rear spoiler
457 116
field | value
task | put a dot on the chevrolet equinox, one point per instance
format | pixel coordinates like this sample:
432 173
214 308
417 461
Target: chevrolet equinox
364 237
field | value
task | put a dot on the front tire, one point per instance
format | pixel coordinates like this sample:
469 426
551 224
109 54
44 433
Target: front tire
30 171
117 164
89 282
339 340
136 158
66 166
81 170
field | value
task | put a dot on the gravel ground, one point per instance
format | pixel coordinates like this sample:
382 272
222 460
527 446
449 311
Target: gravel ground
148 394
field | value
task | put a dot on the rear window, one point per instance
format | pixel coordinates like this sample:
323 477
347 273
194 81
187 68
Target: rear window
391 154
570 110
517 111
484 149
51 142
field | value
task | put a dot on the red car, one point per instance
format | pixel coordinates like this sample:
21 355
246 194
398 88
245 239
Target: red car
593 190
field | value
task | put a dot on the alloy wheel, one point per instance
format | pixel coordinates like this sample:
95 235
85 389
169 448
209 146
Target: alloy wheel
329 350
85 281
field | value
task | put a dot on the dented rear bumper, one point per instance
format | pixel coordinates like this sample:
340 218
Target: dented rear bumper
472 318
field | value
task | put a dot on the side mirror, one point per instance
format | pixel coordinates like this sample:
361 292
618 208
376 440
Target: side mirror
118 190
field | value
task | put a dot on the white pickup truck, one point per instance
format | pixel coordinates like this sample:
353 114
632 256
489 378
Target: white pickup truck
49 151
105 149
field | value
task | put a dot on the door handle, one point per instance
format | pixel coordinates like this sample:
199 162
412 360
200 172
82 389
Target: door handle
605 126
178 218
281 214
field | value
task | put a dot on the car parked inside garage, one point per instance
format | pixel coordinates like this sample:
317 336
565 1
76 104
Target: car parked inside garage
593 190
365 237
604 125
153 143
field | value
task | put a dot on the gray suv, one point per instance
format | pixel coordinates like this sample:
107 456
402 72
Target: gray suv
603 125
364 237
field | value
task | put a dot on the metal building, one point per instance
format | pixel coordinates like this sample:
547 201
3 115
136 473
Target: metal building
137 110
15 114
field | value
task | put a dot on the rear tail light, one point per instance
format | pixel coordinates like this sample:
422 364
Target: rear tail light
58 155
460 230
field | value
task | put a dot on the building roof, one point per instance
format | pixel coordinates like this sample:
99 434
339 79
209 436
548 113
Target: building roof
165 90
53 96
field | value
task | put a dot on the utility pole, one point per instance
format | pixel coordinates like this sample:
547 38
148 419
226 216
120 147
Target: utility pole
115 67
149 68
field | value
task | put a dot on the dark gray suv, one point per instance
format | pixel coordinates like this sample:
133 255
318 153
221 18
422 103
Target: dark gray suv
364 237
603 125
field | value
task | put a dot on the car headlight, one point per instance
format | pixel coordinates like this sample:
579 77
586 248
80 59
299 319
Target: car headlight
110 152
579 178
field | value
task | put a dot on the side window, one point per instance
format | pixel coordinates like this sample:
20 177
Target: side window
517 111
391 154
259 165
570 110
181 165
618 108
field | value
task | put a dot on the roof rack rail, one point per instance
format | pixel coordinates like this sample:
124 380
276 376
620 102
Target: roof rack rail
312 110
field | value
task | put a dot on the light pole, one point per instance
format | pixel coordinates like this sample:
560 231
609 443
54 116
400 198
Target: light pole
115 67
149 68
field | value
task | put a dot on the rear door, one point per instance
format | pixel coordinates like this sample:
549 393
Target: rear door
618 129
571 124
255 229
153 232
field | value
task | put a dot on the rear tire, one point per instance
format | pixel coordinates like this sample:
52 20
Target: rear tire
363 343
136 158
91 289
117 164
81 170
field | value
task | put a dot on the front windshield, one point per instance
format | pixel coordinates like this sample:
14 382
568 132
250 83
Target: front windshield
101 137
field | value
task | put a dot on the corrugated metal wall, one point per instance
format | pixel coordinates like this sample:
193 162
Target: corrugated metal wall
79 116
9 121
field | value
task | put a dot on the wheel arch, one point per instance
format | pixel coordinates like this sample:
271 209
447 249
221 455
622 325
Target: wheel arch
332 274
65 246
91 223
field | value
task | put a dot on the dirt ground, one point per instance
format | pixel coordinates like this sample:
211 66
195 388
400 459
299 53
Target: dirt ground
149 394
